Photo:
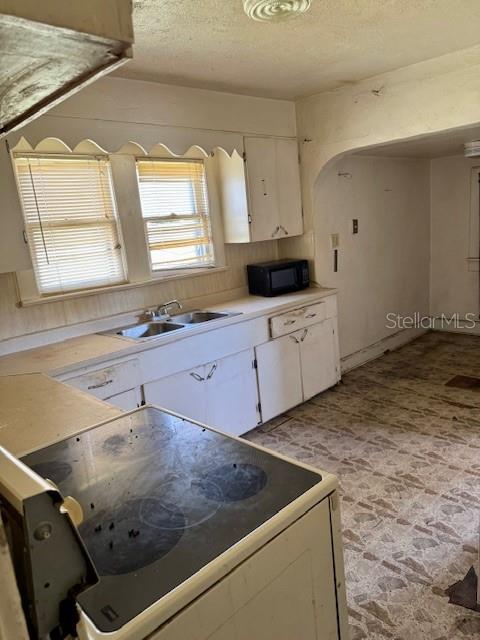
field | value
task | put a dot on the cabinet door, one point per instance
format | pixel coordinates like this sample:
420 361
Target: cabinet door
232 395
319 365
289 200
184 393
262 188
127 400
279 375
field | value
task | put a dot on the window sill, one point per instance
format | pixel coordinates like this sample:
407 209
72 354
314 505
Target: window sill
157 278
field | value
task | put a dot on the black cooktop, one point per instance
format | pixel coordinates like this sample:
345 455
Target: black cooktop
162 497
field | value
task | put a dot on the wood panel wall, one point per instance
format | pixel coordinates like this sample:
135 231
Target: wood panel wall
18 321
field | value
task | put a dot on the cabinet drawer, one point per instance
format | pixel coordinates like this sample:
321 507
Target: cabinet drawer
297 319
108 381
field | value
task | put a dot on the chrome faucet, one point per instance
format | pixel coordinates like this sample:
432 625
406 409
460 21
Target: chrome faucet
162 309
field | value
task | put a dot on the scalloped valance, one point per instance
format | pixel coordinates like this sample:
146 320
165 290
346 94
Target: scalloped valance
115 137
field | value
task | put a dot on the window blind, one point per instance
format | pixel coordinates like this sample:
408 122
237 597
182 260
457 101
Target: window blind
173 195
70 221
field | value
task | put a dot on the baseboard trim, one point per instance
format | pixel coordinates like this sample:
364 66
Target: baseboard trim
377 349
439 324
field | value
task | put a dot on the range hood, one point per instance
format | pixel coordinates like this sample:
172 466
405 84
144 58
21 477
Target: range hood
50 49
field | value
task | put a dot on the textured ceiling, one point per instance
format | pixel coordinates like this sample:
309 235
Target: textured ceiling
212 44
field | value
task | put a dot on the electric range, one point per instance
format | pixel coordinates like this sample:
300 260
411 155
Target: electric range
161 498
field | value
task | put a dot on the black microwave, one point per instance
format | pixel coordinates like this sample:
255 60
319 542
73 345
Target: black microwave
277 277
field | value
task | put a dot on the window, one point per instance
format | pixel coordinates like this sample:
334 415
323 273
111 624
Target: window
173 195
70 222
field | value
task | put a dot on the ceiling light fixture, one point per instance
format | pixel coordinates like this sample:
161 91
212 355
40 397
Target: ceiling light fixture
274 10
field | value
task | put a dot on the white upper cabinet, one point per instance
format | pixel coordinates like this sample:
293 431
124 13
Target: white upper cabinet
260 171
289 199
260 194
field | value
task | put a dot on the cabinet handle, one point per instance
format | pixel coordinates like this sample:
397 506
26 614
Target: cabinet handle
284 230
304 335
100 384
196 376
264 182
275 232
212 371
294 338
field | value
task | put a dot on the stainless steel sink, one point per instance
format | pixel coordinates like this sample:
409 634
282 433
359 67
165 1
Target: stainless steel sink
196 317
155 328
147 329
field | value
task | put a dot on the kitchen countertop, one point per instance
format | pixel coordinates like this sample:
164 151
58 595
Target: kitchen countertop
36 410
60 354
58 357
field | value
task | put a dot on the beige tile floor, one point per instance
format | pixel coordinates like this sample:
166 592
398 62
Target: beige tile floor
406 449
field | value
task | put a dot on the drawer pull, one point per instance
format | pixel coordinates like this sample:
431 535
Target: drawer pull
287 322
99 385
311 315
294 339
212 371
197 376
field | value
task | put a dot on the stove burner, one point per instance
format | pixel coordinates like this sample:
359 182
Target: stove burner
55 471
232 482
139 533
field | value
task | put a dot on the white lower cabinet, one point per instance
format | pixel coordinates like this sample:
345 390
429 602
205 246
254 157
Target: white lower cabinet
222 394
279 375
127 400
296 367
317 355
182 393
232 394
228 393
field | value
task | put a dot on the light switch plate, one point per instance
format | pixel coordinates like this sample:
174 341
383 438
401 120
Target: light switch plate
334 240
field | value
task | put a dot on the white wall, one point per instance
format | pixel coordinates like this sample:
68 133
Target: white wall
111 112
437 95
418 100
454 288
121 100
385 267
